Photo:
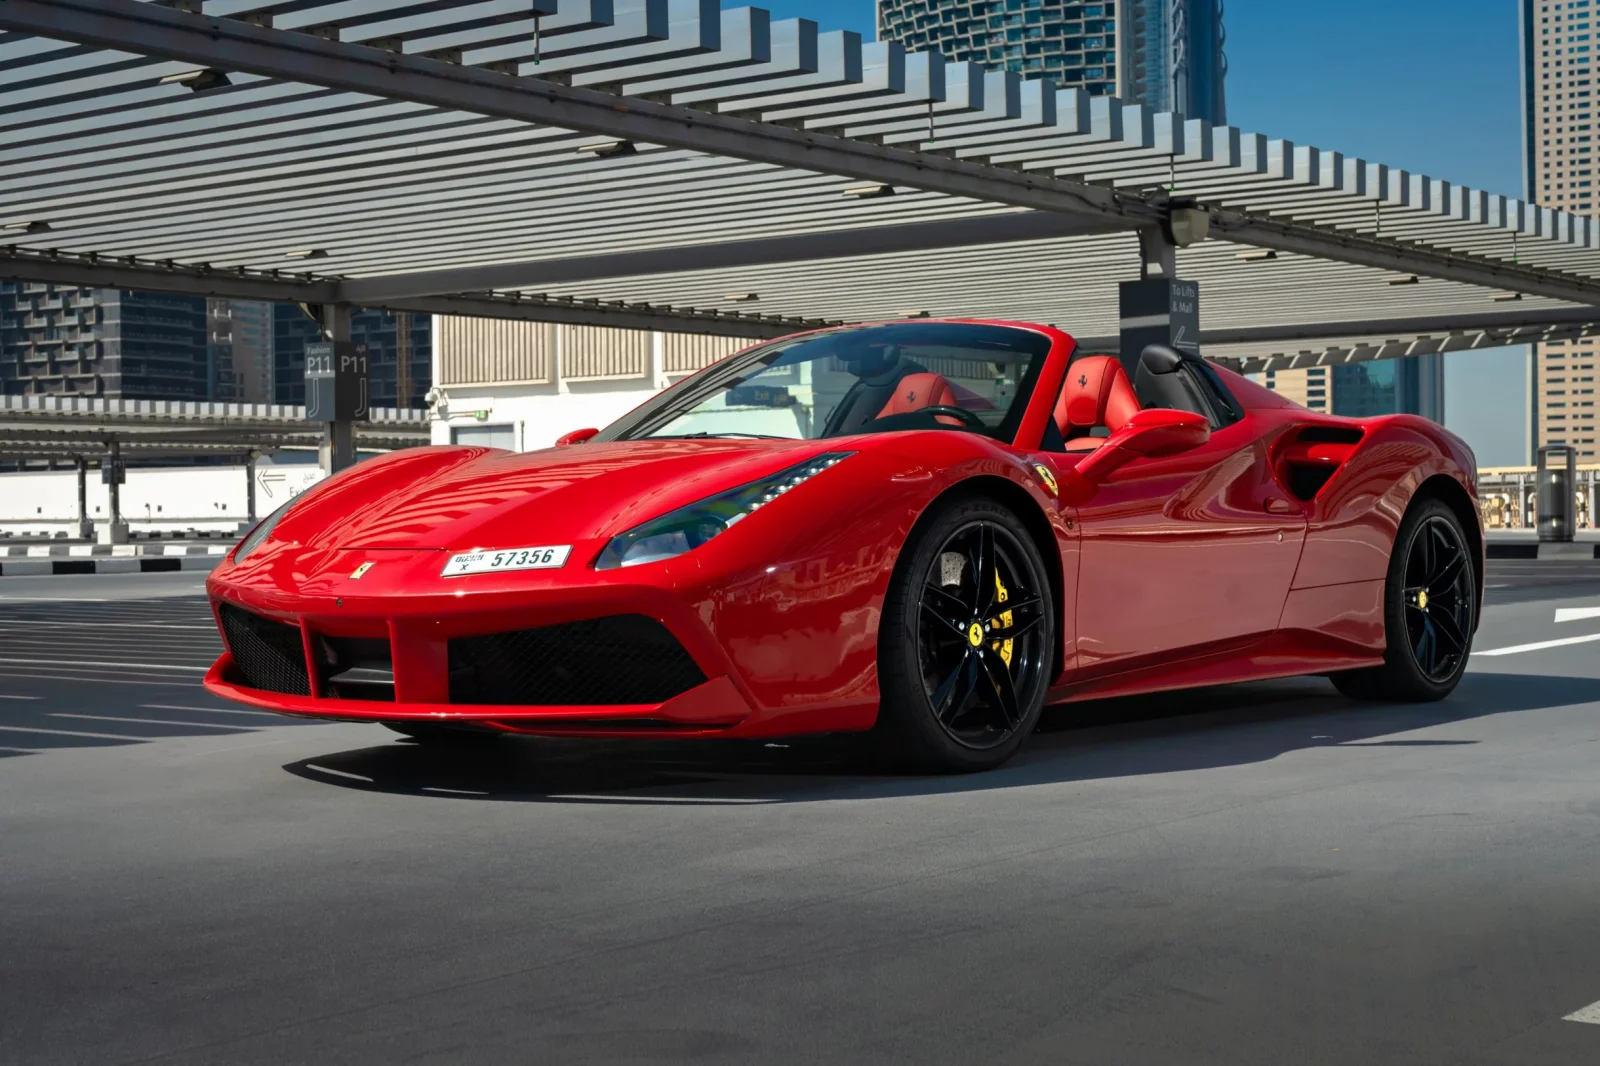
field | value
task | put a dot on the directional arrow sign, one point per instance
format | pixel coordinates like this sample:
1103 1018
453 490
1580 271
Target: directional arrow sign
269 479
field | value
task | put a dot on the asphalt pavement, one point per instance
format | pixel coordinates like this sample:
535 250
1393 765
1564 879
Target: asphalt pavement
1260 873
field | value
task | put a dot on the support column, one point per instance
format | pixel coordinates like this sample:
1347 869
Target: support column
250 490
1158 308
85 527
115 531
336 388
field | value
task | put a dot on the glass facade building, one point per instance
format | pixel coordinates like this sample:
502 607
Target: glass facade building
1165 54
1413 385
67 341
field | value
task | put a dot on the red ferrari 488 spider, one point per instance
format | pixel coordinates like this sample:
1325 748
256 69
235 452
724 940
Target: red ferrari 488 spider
929 530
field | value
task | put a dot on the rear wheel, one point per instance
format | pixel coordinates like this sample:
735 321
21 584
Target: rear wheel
965 643
1430 610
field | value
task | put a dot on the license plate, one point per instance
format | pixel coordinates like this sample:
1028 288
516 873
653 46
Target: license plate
483 562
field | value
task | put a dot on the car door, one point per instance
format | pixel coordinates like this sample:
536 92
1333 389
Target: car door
1183 554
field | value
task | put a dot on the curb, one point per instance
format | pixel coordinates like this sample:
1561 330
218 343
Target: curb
1571 551
108 565
88 551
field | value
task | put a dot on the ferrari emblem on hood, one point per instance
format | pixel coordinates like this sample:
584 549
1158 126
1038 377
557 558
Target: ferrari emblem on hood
363 568
1047 477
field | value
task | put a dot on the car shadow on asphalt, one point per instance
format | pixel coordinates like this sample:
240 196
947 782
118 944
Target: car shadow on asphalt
1166 733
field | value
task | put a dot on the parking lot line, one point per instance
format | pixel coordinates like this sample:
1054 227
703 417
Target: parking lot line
1589 1015
205 710
4 696
148 721
1517 649
69 733
111 665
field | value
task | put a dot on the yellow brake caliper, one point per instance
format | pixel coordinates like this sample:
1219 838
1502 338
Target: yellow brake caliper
1004 621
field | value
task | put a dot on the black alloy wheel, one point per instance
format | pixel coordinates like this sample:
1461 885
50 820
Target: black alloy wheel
1439 599
978 635
1430 611
966 646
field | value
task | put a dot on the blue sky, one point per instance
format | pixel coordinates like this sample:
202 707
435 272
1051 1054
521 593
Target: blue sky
1427 85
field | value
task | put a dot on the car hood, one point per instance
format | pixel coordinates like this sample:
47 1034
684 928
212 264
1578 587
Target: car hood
487 498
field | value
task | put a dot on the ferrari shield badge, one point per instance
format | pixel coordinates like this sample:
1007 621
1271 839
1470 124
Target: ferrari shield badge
362 569
1047 477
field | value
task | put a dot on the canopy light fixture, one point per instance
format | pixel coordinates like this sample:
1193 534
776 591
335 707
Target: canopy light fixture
1186 222
1401 279
1256 255
607 149
912 314
1508 297
307 253
32 225
869 192
198 80
742 297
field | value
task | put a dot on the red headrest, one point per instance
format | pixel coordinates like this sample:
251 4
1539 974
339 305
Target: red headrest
1097 393
917 391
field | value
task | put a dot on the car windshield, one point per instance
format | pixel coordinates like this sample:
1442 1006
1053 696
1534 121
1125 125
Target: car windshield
870 379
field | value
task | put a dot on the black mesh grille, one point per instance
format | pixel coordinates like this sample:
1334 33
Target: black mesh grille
622 659
268 654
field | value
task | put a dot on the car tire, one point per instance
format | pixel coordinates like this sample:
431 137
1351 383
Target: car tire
436 735
1430 608
954 699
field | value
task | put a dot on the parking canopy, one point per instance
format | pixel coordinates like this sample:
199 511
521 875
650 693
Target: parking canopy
668 164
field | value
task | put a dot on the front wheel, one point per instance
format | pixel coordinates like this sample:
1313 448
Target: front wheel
1430 611
966 641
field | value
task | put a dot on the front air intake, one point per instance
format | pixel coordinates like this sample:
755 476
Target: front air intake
269 655
622 659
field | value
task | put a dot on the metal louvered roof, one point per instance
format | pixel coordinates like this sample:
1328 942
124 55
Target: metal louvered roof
642 162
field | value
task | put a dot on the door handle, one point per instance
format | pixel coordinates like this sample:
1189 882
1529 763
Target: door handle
1279 505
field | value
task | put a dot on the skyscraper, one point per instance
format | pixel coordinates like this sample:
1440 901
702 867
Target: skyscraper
239 347
113 343
1413 385
1166 54
1559 38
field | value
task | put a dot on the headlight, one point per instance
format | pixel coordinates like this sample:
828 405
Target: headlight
689 527
252 540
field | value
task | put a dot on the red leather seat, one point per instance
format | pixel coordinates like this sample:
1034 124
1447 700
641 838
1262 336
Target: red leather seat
917 391
1097 393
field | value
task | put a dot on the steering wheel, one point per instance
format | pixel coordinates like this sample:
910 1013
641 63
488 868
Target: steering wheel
969 417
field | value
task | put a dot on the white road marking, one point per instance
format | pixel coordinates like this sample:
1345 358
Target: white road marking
1589 1015
118 680
29 623
3 696
50 599
337 773
206 710
1517 649
102 663
1576 614
68 733
147 721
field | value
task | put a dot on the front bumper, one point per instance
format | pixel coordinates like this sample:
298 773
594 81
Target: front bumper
400 602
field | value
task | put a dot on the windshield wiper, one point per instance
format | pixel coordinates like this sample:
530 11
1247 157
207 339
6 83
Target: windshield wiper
704 436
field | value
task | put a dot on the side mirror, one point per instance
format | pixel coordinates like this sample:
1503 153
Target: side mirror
577 436
1150 434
